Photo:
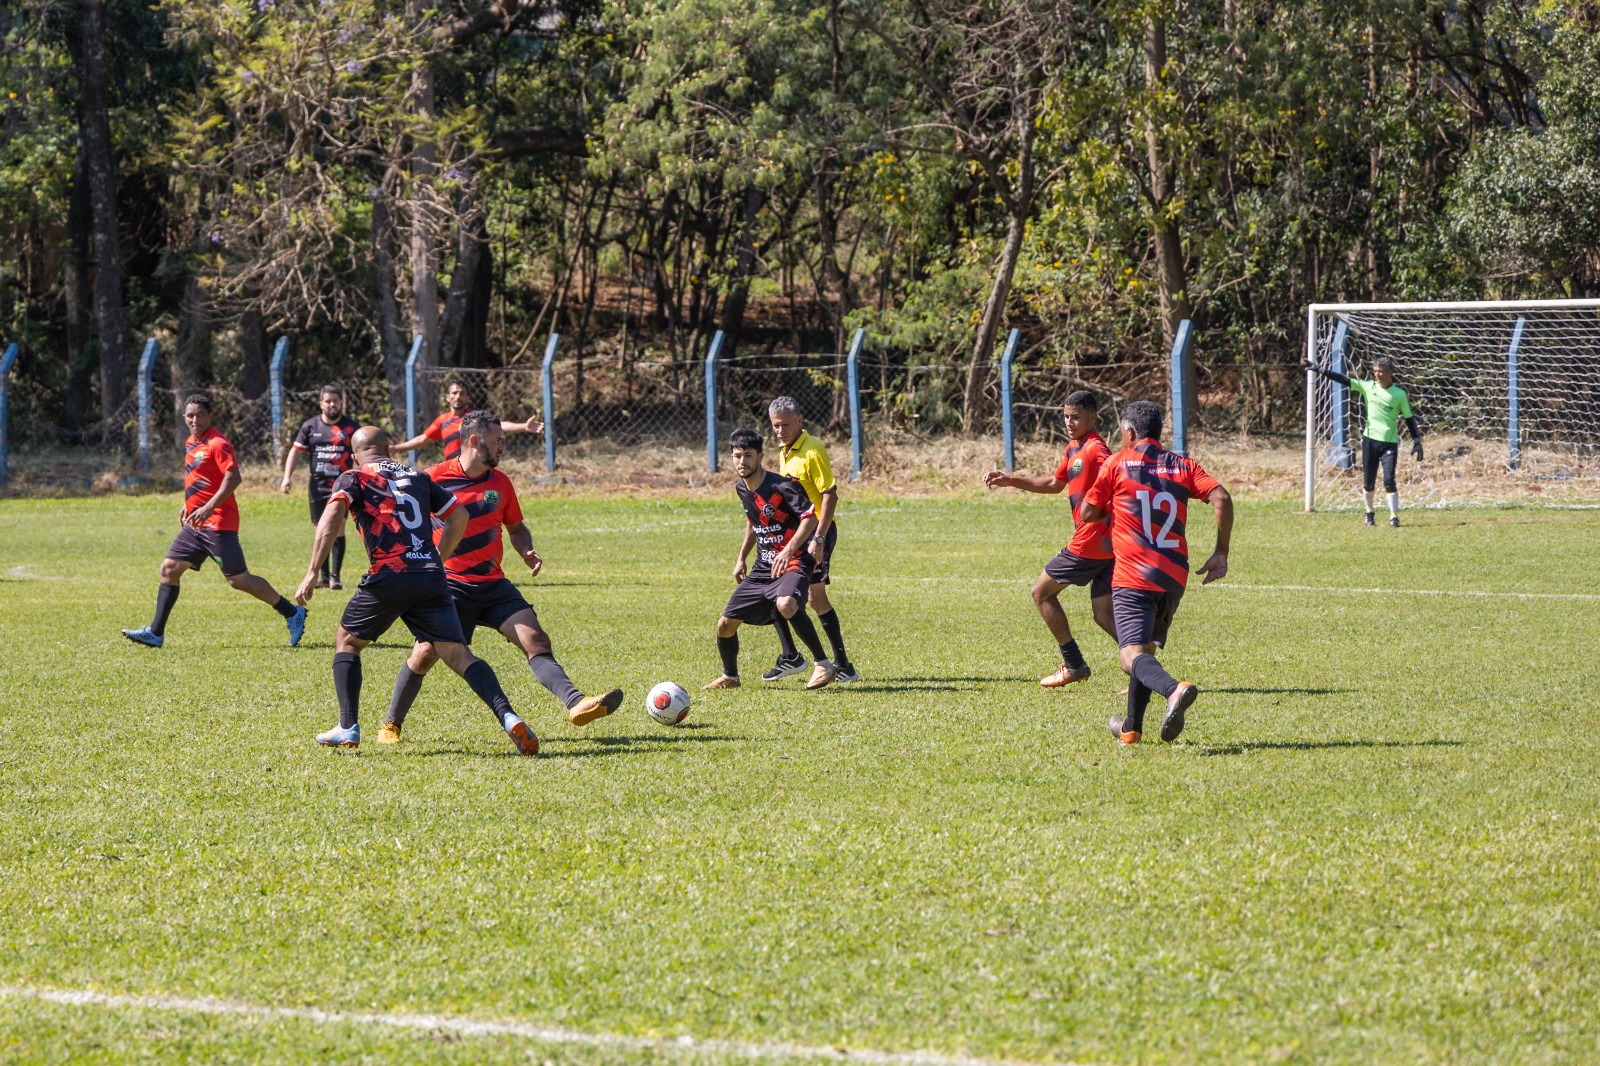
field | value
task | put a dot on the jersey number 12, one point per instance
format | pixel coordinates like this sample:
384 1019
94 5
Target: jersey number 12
1162 501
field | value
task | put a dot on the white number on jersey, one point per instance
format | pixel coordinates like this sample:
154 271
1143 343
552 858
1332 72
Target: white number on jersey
1162 501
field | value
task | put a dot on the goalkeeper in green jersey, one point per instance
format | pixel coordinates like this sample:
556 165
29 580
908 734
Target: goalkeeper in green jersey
1387 404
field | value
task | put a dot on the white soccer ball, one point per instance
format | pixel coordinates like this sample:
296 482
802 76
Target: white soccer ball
667 703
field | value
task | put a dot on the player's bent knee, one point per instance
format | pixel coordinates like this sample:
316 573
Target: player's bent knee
726 627
787 606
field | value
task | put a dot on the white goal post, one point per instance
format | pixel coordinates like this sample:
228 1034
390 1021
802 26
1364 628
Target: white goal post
1507 394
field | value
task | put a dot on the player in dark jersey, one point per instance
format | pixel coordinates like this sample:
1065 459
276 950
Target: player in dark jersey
210 518
779 521
327 437
446 429
1086 560
1145 490
391 503
483 596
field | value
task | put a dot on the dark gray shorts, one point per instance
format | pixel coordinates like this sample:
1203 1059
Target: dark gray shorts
1069 569
1142 616
753 600
195 546
420 600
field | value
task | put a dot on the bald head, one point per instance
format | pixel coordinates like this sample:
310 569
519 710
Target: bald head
369 443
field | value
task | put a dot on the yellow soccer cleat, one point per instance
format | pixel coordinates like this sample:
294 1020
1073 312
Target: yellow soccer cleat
389 734
589 708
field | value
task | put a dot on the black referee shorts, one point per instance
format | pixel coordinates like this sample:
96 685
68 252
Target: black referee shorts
421 600
819 567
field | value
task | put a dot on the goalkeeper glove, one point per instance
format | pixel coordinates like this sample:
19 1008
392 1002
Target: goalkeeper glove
1416 450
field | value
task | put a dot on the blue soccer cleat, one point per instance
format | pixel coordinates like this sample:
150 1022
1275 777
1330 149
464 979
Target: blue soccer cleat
297 626
338 737
146 636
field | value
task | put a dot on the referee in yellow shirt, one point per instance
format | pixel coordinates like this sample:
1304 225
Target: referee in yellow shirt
806 460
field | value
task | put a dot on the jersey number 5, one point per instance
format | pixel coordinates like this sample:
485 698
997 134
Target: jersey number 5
1162 501
410 511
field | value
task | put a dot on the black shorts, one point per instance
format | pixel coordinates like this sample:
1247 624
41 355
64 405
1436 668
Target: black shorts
195 546
752 601
421 600
1069 569
819 567
1376 454
488 604
1142 616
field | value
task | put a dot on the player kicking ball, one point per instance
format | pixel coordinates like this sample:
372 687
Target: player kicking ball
390 503
483 596
1145 490
1387 404
1086 560
210 530
779 522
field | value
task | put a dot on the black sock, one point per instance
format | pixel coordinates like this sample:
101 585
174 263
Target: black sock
553 677
1146 669
1072 656
808 633
166 596
728 648
830 626
1138 700
284 607
338 555
347 684
406 687
480 677
787 650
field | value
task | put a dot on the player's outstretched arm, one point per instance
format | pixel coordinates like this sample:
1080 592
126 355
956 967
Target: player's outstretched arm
1216 567
1331 375
329 527
397 450
532 425
1048 486
522 543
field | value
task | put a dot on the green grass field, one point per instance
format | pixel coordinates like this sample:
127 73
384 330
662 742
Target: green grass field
1376 842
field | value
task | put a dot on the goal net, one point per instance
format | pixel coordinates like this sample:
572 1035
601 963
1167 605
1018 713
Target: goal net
1507 395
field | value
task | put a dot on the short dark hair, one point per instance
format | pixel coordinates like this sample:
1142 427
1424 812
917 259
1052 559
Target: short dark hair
477 422
1144 418
1383 362
330 390
745 440
451 383
199 399
1083 398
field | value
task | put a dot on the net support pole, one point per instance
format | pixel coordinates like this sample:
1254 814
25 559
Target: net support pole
1008 426
7 361
1340 397
1514 413
1311 410
411 396
147 398
852 365
711 401
547 394
1180 388
280 357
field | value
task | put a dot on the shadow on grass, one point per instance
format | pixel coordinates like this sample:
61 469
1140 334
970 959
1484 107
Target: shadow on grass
593 746
1276 691
1322 745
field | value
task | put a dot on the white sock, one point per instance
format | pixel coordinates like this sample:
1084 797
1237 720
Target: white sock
1393 499
1368 497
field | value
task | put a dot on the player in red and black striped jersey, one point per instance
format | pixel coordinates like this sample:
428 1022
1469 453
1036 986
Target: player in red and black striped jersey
446 429
1145 490
326 436
210 518
392 505
1086 560
483 596
779 521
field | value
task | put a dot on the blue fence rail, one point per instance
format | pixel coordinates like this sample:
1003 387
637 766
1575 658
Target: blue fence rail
7 362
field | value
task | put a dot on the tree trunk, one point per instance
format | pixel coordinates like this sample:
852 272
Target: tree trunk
253 370
472 253
744 266
190 364
425 221
1172 275
391 338
95 130
75 290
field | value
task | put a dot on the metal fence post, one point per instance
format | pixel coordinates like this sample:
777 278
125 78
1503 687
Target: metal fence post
547 387
7 361
1339 399
411 397
1311 411
711 402
280 355
1180 388
147 396
1008 428
852 365
1514 428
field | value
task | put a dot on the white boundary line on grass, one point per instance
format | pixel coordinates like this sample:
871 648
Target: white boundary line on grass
472 1027
1226 586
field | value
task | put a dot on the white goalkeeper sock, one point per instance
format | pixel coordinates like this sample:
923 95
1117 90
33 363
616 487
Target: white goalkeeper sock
1393 500
1368 496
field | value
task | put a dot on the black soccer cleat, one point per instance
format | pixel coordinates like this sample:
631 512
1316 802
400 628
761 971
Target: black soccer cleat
1394 521
786 666
1371 521
1181 700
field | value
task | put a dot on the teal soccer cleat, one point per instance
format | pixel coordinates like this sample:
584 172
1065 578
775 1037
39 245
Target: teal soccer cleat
297 626
338 737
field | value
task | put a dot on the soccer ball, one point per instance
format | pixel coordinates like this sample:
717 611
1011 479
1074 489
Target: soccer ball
667 703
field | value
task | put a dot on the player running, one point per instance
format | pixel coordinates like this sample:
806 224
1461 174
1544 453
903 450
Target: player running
1146 490
447 427
805 460
1387 404
210 518
1086 560
482 594
391 503
779 521
327 437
